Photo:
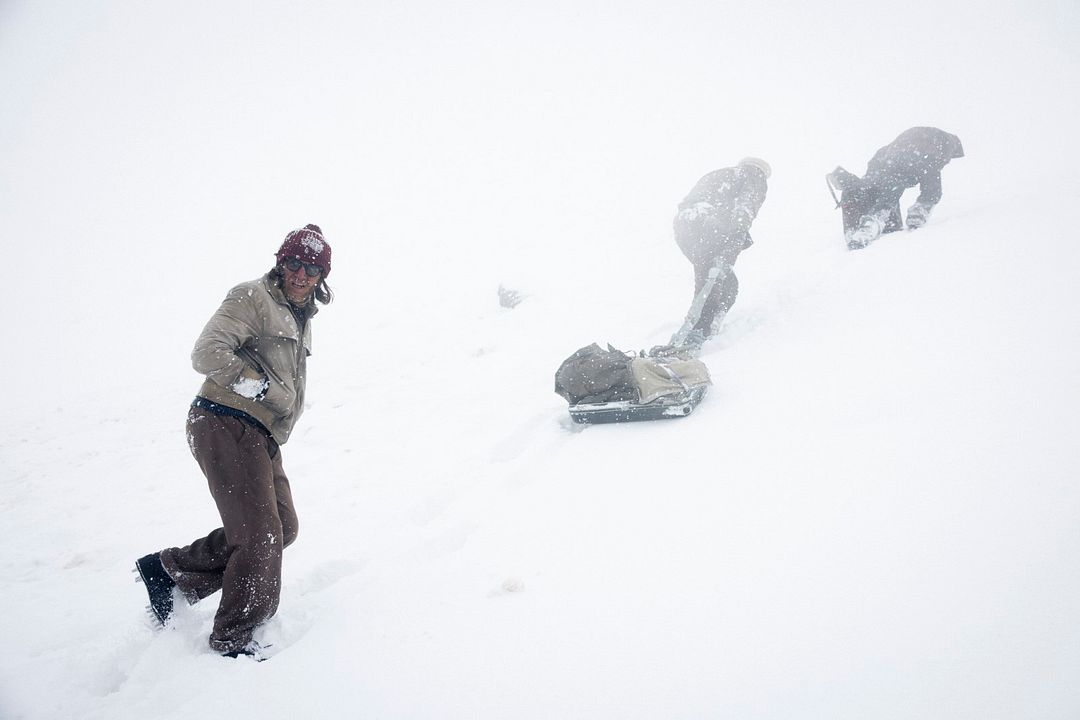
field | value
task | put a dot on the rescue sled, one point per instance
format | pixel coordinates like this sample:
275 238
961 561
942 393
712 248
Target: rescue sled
606 386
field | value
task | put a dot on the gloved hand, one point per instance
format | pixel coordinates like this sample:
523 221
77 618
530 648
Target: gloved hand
917 215
251 384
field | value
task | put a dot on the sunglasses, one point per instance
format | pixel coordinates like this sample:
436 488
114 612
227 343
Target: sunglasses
293 264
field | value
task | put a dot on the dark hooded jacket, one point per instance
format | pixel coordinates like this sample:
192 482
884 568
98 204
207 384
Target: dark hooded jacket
915 157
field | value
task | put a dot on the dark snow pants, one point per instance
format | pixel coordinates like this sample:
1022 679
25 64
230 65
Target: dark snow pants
881 196
243 557
873 200
720 299
703 241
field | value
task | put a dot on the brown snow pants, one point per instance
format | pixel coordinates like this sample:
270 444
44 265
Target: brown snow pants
243 557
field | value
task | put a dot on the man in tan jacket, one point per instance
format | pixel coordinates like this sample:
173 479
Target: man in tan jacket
253 352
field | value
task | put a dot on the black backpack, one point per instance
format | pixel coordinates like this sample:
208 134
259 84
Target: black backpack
595 375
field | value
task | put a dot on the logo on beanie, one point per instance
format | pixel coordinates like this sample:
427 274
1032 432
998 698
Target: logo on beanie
313 242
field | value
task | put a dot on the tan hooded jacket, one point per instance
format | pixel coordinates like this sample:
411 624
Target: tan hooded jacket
255 334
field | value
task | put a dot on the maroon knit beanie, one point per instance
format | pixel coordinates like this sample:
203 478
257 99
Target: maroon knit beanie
309 245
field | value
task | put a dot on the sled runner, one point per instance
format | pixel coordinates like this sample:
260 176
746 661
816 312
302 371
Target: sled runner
605 386
672 406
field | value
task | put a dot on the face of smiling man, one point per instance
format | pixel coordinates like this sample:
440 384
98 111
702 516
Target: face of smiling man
299 283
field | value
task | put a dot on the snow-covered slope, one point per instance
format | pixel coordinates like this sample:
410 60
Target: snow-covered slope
873 513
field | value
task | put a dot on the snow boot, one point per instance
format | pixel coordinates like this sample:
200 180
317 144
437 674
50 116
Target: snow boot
714 327
694 340
686 348
869 230
893 221
917 215
159 586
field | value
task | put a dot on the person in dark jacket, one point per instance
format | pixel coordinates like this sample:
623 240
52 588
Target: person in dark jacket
712 226
253 354
871 204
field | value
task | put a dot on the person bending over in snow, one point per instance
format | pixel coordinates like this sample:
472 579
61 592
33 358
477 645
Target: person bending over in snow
253 352
871 204
712 226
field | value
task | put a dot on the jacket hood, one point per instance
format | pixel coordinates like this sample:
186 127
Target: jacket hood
955 149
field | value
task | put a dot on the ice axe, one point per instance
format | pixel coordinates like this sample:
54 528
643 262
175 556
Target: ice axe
829 178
